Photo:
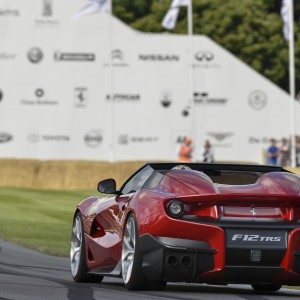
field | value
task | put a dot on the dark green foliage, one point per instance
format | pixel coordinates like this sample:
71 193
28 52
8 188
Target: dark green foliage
250 29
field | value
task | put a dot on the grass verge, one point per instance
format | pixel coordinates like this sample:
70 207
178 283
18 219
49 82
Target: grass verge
39 219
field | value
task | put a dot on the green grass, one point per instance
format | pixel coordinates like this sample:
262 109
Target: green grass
39 219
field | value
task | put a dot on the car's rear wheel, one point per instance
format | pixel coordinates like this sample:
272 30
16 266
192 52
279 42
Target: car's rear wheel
78 265
132 274
264 287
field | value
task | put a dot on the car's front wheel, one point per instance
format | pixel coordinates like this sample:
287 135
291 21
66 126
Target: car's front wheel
78 265
132 274
265 288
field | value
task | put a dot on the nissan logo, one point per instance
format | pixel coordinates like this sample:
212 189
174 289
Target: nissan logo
5 137
204 56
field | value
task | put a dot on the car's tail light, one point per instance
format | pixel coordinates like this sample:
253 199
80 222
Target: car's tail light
175 208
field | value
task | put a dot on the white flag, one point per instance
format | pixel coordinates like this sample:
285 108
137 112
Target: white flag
285 14
171 17
93 6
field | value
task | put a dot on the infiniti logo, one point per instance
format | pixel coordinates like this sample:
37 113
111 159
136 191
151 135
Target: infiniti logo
204 56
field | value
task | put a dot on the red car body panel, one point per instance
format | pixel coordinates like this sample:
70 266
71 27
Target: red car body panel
274 196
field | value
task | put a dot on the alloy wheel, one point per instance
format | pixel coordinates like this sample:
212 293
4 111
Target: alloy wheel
128 250
76 244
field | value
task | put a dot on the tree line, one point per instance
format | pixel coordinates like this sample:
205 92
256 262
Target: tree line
250 29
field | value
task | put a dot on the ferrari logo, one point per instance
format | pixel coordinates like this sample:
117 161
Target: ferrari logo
253 211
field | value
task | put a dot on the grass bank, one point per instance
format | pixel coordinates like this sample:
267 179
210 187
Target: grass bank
39 219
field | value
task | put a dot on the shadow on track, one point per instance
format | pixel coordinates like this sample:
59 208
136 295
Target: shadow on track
79 291
75 291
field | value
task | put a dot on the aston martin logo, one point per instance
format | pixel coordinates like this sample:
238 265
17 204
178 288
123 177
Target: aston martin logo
220 136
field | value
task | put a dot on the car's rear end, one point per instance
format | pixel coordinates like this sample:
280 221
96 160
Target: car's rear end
245 234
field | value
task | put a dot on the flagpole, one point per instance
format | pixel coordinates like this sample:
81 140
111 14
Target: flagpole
191 71
292 82
112 104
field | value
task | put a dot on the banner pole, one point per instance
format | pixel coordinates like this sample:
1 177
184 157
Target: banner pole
112 104
191 71
292 82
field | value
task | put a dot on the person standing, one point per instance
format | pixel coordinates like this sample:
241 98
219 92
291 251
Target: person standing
273 153
208 154
186 150
285 153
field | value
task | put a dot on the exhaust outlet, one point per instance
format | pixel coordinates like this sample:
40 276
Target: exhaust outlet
186 261
172 260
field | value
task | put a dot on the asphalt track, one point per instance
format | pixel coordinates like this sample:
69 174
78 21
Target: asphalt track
30 275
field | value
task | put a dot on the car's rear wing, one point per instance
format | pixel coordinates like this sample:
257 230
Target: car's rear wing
242 200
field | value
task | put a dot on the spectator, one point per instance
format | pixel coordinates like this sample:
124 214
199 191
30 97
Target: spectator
208 154
284 153
186 150
273 153
298 150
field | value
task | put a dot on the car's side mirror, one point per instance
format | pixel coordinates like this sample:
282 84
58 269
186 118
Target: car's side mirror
107 186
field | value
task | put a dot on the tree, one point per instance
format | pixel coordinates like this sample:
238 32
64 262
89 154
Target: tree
250 29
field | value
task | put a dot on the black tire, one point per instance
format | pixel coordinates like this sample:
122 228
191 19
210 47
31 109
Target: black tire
137 280
82 274
265 287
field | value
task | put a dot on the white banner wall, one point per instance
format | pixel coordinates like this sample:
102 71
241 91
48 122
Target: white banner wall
96 89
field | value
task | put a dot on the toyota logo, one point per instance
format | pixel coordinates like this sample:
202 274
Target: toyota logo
204 56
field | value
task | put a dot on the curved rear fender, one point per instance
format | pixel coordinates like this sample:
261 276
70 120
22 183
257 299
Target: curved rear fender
147 203
85 208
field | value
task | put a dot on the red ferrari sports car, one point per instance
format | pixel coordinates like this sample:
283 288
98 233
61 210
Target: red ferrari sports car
201 223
